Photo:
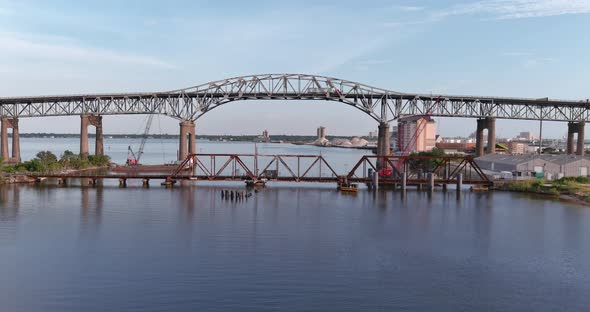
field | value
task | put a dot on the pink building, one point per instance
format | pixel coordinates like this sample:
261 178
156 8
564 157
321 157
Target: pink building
416 134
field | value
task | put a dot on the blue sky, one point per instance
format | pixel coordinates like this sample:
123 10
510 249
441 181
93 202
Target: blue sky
528 48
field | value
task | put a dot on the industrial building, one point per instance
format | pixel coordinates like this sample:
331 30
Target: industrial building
548 166
265 138
416 134
321 137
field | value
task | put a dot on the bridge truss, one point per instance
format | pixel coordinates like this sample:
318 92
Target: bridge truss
315 168
380 104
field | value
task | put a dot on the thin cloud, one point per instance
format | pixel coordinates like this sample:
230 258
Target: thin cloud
40 48
374 62
533 62
516 53
515 9
409 8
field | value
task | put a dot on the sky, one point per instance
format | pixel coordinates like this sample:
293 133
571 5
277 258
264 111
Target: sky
522 48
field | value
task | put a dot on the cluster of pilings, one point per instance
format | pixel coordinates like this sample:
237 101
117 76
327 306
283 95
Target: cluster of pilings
235 195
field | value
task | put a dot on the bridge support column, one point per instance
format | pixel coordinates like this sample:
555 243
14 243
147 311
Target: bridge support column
570 138
84 135
99 143
482 124
91 120
479 138
573 128
8 123
383 148
580 147
491 125
188 143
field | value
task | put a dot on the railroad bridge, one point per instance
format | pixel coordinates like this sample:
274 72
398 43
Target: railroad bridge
189 104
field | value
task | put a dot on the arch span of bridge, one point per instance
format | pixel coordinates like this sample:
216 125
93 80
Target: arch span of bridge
191 103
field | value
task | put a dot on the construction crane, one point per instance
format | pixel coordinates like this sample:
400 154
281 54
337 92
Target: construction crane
133 158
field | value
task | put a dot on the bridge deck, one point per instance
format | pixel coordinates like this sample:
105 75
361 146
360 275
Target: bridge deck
381 104
244 179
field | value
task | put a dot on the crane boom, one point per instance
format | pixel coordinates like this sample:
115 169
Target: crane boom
133 158
144 137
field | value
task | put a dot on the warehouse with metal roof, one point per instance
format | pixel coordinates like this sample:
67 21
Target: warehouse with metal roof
536 165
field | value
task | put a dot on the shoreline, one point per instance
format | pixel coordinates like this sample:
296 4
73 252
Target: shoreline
547 190
25 177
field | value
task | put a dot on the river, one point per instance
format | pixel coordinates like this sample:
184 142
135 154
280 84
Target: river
290 248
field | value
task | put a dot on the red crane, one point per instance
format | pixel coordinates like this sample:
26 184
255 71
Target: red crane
133 158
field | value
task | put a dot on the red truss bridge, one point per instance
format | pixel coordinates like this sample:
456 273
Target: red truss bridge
253 168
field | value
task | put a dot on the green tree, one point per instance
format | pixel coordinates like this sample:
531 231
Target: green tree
99 160
426 165
67 158
32 166
67 154
48 161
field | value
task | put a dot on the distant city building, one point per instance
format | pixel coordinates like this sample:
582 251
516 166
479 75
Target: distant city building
264 137
517 148
321 132
525 136
456 147
393 138
457 140
416 134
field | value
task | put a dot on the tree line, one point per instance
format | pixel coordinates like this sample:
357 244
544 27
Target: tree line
47 162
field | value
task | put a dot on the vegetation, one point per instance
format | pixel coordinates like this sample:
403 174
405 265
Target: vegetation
47 162
426 165
574 186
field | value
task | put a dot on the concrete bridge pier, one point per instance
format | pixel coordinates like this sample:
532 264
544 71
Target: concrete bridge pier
8 123
91 120
488 123
572 128
188 142
383 148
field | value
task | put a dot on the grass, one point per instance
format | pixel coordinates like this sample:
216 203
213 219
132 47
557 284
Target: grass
575 186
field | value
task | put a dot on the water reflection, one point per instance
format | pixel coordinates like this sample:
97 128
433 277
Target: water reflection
9 210
9 202
103 248
91 205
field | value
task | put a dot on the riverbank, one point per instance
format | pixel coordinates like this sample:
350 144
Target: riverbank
576 189
25 177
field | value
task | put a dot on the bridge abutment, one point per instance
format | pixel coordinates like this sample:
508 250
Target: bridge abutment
91 120
383 147
483 124
187 142
10 123
573 128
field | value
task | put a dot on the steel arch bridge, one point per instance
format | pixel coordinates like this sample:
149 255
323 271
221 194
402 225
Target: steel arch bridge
380 104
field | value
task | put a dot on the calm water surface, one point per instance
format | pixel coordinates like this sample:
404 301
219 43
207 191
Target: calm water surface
296 248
